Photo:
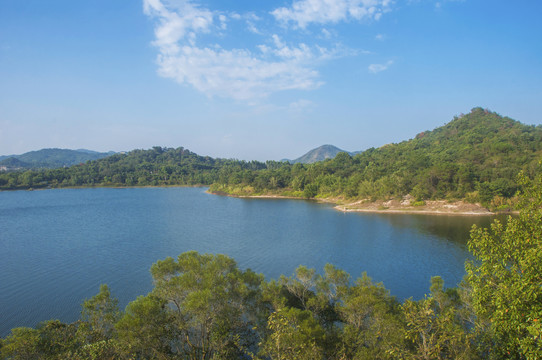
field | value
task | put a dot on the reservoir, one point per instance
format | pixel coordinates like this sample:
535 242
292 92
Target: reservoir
57 246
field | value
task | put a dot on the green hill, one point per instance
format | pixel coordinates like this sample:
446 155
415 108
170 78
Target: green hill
51 158
154 167
474 157
321 153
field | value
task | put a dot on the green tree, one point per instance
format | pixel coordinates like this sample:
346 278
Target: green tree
373 326
294 334
22 343
99 315
506 278
146 330
434 326
50 340
212 302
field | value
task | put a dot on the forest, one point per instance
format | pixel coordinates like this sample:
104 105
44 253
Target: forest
475 157
204 306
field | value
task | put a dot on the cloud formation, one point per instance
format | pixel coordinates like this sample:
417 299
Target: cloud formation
236 73
376 68
184 31
305 12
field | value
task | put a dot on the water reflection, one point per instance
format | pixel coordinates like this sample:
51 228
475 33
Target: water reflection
454 228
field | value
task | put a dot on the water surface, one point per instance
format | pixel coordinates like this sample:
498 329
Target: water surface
58 246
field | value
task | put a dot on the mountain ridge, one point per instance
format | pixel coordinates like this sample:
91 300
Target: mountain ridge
320 153
50 158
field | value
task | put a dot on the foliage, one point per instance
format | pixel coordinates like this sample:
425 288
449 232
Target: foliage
434 327
474 157
210 304
506 279
205 307
50 158
155 167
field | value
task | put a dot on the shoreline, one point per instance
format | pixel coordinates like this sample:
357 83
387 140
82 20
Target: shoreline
431 207
106 187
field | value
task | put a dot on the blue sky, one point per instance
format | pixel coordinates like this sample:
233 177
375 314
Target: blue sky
259 79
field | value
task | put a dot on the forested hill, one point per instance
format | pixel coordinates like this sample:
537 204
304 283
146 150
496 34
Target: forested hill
154 167
321 153
474 157
50 158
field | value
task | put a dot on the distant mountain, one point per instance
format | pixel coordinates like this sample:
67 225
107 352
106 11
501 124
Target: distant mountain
11 163
319 154
50 158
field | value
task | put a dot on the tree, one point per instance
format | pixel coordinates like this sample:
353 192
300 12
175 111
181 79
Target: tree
146 329
50 340
22 343
506 278
373 327
99 315
434 326
212 303
294 334
96 330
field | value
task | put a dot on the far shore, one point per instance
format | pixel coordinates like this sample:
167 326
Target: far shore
405 206
430 207
106 187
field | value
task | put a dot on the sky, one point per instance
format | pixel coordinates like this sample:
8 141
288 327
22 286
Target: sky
259 80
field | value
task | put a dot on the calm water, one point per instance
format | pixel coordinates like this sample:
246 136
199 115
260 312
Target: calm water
58 246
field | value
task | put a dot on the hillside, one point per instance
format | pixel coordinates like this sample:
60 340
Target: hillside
475 157
154 167
50 158
321 153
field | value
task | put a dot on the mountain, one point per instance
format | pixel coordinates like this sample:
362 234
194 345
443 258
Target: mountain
153 167
475 157
319 154
11 163
50 158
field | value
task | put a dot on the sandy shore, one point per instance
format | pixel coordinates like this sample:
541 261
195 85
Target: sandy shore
405 206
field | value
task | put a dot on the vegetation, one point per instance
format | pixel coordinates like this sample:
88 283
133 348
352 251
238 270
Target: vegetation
321 153
50 158
155 167
205 307
475 158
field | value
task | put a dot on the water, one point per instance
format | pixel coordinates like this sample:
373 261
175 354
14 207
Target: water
58 246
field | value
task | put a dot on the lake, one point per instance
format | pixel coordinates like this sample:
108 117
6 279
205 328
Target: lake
58 246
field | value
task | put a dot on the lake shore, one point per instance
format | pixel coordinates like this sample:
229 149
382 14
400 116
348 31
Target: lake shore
405 206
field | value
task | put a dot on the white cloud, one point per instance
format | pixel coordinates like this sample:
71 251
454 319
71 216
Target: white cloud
380 37
266 63
305 12
376 68
235 73
253 29
223 21
326 34
186 19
